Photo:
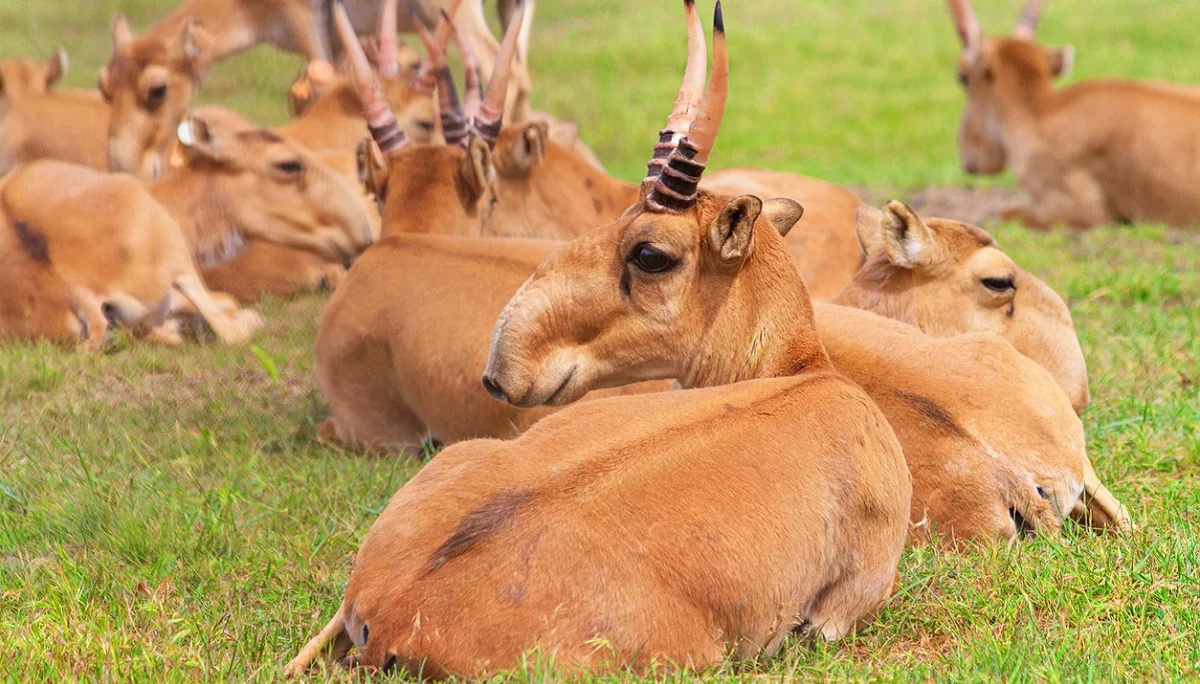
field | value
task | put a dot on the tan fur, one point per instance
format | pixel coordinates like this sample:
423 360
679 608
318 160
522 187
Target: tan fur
932 274
993 445
333 128
601 500
37 303
135 246
823 243
1097 152
37 122
395 369
177 52
972 474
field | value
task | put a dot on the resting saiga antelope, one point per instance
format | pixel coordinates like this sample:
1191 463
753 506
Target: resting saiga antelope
332 125
678 528
37 121
134 245
150 79
1096 152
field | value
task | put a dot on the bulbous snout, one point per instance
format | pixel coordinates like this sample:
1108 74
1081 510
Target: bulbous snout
529 363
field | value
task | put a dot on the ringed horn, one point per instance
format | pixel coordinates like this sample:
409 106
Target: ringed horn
380 119
688 101
676 185
487 121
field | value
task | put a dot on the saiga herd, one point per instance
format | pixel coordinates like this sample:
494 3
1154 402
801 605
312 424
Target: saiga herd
684 418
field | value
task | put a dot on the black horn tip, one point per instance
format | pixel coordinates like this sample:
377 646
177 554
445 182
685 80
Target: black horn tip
689 3
718 19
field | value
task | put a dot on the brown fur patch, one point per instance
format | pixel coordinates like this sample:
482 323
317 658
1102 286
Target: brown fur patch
33 242
932 413
478 525
495 260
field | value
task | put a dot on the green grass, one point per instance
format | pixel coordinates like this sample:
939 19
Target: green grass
165 514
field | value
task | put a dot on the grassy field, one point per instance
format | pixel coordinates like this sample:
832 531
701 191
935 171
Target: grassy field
166 515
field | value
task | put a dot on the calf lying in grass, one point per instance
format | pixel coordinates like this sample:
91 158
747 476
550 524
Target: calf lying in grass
678 528
133 246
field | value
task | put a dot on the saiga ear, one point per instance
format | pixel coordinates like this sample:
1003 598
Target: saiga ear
202 138
907 240
477 171
868 229
783 214
1062 60
196 47
565 133
121 34
528 148
372 168
731 235
56 67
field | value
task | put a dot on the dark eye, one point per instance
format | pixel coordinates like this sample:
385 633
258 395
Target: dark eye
962 78
290 167
156 95
1003 284
650 260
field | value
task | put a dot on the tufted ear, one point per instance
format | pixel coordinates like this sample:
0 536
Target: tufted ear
202 138
1062 60
731 235
907 241
527 150
477 172
868 229
195 47
56 67
783 214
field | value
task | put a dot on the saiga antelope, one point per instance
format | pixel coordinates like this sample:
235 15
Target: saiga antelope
1097 152
150 79
133 245
633 530
39 122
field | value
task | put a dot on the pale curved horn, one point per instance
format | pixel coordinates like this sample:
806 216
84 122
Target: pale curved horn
1030 15
687 102
703 131
966 22
454 125
491 111
677 186
380 119
435 60
389 65
471 80
444 27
